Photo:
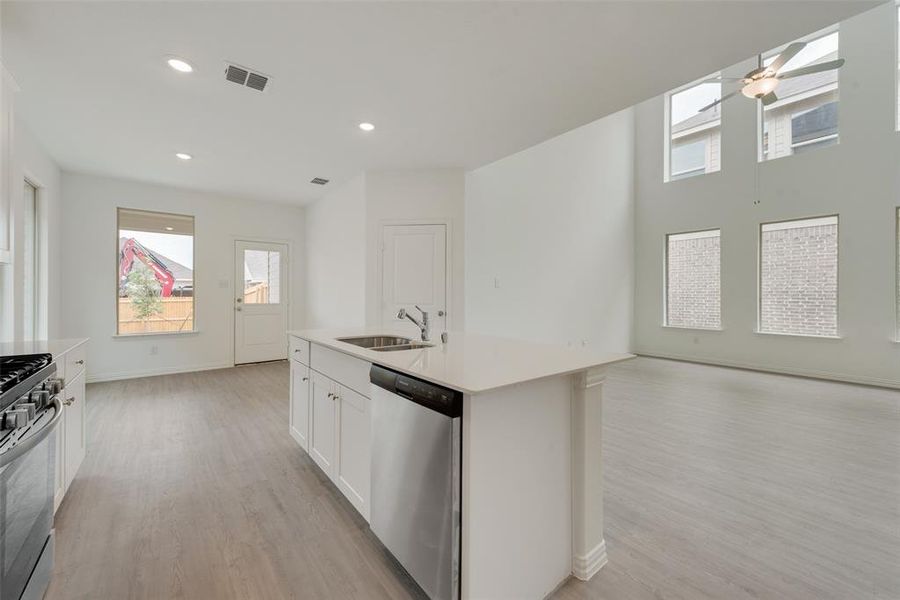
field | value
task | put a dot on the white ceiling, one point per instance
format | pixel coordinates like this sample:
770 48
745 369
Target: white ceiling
447 84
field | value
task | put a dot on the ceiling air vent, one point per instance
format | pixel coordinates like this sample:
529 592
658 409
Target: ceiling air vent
246 77
319 181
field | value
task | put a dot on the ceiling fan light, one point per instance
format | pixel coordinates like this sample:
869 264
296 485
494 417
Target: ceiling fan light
760 87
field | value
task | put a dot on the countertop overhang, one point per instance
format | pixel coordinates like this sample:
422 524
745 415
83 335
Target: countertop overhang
468 362
54 347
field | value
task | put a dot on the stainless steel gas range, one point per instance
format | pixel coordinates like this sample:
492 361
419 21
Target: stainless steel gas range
29 414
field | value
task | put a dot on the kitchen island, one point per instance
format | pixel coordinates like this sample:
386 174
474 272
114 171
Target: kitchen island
531 486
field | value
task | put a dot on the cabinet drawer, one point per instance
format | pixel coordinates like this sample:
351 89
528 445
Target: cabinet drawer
299 350
346 370
75 361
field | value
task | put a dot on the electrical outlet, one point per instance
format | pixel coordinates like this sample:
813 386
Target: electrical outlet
154 350
497 283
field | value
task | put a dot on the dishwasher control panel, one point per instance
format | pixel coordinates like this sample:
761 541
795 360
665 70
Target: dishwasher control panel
440 399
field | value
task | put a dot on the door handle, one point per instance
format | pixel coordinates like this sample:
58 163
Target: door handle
441 313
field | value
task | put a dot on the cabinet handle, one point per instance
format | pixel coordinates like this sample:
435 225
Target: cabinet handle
79 362
330 395
336 397
69 401
305 379
296 350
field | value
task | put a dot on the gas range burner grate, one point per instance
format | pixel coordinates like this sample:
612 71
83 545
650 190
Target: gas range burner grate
16 368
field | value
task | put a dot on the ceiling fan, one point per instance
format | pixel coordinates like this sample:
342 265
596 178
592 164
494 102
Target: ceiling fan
761 82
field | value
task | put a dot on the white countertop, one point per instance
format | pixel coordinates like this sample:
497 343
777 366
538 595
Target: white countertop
470 363
54 347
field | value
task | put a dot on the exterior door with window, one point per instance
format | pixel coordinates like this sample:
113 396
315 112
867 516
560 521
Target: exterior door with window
414 272
261 302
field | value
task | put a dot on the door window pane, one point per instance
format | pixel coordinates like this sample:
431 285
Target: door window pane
799 277
155 272
262 277
693 282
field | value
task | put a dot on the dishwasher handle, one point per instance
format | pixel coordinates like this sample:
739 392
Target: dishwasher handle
440 399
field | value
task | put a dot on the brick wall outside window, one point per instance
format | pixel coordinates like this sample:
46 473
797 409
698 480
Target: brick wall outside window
693 283
799 277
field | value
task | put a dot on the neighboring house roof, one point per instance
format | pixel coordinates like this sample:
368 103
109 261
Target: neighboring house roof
178 270
786 88
256 266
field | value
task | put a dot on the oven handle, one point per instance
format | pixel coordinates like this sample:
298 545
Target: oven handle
30 442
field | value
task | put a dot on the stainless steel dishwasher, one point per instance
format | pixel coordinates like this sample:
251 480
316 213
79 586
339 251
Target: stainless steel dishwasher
416 473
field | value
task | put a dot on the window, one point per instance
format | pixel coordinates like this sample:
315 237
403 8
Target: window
693 283
155 272
693 137
898 67
799 277
30 262
805 116
262 277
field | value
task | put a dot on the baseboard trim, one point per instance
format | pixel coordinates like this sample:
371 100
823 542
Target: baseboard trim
101 377
585 567
810 374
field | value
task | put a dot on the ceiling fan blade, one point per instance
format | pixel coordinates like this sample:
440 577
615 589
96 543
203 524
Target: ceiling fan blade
809 69
769 98
786 55
717 102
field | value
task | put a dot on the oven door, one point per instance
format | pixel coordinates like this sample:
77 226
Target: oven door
27 474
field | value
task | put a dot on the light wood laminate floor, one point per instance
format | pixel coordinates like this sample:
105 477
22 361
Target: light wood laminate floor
720 483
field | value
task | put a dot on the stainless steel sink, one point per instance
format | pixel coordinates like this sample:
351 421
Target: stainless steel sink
410 346
375 341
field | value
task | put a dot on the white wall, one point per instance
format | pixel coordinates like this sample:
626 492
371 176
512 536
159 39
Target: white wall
89 261
336 257
549 239
29 160
408 196
857 179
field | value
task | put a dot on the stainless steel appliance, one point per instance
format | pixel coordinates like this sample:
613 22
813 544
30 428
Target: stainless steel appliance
416 473
29 413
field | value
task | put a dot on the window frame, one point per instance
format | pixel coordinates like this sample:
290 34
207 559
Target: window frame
759 287
668 176
761 155
194 320
896 273
665 315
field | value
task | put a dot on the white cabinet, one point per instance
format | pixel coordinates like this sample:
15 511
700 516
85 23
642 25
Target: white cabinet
331 418
73 425
299 418
7 89
354 454
323 420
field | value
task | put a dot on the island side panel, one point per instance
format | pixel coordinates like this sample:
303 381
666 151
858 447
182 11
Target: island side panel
587 462
517 490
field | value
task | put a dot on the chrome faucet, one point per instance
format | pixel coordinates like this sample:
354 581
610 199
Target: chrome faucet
424 325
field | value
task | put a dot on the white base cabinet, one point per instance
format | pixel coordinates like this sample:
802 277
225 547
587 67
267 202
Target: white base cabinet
71 433
331 420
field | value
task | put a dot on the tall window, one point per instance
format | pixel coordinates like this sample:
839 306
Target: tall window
799 277
694 136
693 281
155 272
805 116
30 262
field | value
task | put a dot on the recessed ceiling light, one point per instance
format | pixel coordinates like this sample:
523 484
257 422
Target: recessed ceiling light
180 65
169 228
366 126
183 155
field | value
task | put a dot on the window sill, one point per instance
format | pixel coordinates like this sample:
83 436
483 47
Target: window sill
679 328
800 335
125 336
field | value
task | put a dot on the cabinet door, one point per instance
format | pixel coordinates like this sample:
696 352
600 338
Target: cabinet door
6 140
322 433
354 455
299 418
75 443
59 485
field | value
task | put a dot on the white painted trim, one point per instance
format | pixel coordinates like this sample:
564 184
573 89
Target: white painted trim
116 376
585 567
809 373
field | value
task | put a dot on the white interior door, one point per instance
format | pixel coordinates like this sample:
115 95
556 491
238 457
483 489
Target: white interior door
414 272
261 301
